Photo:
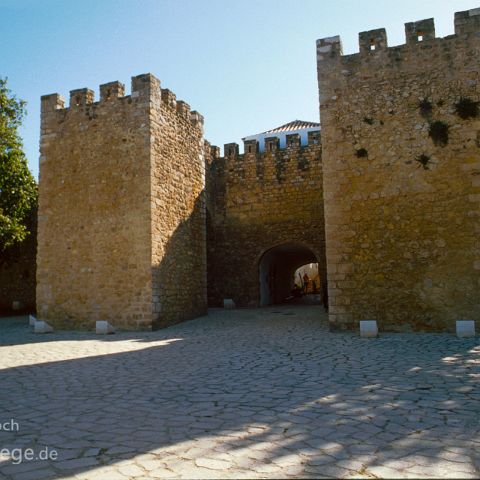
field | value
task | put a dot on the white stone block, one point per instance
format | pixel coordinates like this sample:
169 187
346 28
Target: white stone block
42 327
228 303
102 327
368 329
465 328
32 320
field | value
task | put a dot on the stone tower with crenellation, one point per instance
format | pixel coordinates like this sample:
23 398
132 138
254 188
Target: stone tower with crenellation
121 224
401 176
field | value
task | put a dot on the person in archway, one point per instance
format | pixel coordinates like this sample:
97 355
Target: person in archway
306 282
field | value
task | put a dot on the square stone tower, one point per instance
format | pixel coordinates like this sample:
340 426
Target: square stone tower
401 139
121 231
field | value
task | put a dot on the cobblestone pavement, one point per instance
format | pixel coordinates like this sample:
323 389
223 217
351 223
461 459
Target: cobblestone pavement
266 393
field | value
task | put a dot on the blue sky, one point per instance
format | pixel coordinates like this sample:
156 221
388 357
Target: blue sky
246 65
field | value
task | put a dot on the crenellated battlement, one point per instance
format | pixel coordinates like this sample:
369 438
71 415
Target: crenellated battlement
112 90
294 162
374 43
294 140
467 22
271 144
144 88
81 97
372 40
416 32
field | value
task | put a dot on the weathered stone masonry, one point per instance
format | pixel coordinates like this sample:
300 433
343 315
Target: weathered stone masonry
258 201
17 273
127 210
121 200
401 159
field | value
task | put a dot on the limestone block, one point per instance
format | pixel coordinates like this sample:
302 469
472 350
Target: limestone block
228 303
368 329
42 327
102 327
32 320
465 328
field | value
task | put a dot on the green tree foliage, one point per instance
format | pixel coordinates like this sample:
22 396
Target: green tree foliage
18 189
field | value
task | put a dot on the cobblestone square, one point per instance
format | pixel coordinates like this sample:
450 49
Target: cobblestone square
267 393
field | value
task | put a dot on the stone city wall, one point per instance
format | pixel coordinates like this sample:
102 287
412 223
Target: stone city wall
401 158
258 201
17 273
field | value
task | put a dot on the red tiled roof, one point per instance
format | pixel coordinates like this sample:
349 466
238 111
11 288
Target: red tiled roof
295 125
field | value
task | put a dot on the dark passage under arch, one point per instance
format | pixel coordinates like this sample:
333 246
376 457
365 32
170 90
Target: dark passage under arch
276 271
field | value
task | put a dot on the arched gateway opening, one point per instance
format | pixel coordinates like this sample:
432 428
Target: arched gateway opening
278 273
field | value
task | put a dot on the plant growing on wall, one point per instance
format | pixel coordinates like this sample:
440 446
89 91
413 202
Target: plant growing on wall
438 132
423 160
18 189
467 108
426 108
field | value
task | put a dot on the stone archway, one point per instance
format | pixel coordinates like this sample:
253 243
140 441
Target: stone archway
276 268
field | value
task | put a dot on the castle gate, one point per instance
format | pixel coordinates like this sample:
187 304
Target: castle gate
277 271
264 214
